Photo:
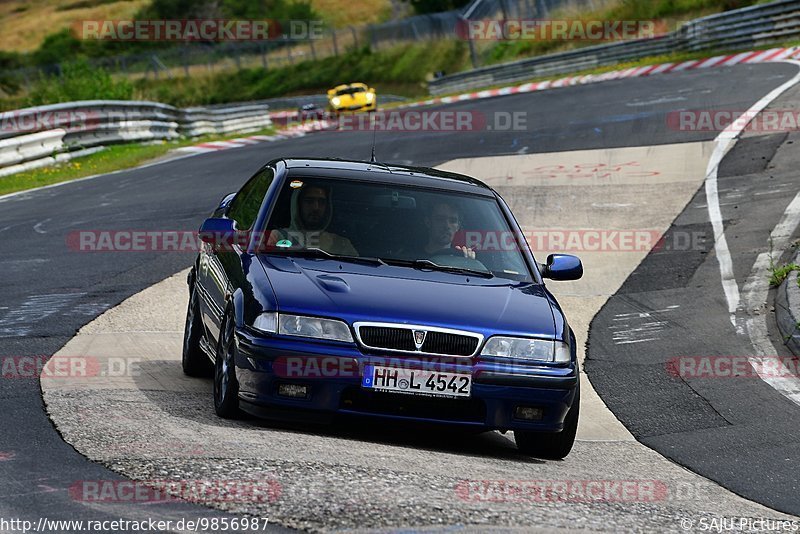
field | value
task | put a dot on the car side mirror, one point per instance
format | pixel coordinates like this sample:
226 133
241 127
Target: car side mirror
217 230
562 267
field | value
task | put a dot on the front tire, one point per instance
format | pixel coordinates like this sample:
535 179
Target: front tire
226 387
551 445
194 361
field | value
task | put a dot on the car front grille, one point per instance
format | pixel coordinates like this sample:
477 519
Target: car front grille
401 338
382 337
450 344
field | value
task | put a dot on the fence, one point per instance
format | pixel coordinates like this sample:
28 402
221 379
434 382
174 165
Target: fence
744 28
201 59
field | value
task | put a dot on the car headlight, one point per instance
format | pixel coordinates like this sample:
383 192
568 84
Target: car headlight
267 322
336 101
298 325
542 350
370 97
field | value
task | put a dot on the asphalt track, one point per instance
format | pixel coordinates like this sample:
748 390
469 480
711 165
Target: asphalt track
49 291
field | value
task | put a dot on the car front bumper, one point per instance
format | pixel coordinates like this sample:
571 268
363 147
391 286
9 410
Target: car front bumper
355 108
333 381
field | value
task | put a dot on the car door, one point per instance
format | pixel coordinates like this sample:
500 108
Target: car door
221 264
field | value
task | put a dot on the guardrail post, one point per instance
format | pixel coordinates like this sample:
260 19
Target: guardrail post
415 31
473 54
372 43
185 58
355 35
335 46
263 55
313 51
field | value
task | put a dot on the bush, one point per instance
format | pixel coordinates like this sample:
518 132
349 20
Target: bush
9 61
79 81
409 64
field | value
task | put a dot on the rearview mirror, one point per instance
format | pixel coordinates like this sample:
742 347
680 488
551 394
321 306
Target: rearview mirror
217 231
395 200
562 267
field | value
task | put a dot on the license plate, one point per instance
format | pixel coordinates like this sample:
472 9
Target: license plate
416 381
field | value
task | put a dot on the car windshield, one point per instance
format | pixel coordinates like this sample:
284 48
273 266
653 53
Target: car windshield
376 223
351 90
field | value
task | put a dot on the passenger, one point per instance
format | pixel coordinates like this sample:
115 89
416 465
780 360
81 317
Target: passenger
442 223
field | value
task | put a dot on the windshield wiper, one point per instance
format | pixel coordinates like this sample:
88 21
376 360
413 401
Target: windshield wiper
428 264
314 252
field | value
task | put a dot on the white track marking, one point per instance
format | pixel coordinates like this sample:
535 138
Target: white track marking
723 143
38 226
92 177
749 308
753 314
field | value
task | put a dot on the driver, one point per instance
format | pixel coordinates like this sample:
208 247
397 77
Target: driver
311 214
443 222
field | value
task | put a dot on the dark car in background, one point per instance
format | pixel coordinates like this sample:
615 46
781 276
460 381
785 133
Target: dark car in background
328 287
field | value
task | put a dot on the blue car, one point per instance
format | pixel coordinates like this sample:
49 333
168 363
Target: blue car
330 288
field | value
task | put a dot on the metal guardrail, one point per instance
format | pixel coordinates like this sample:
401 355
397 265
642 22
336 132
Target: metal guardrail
40 136
744 28
43 135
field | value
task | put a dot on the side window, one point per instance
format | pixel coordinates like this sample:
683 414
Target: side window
244 207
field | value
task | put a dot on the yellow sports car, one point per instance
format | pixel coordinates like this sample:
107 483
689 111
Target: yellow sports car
352 97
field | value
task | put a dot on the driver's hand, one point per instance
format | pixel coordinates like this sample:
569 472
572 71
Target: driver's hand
468 252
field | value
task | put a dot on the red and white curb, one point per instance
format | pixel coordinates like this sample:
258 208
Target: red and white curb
286 133
298 130
759 56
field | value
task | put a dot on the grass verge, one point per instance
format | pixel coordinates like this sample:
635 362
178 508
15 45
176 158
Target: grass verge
113 158
778 274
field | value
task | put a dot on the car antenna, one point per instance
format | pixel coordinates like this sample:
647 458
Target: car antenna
372 158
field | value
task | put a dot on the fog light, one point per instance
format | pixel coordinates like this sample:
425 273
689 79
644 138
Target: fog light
528 413
292 390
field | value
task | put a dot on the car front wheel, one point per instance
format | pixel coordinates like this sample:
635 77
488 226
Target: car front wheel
551 445
194 361
226 387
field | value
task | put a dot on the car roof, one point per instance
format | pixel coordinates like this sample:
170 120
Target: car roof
386 173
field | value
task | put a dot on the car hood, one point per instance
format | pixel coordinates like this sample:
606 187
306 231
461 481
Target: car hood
353 292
